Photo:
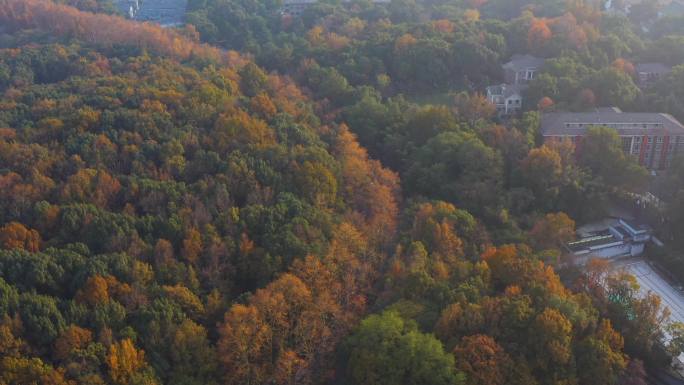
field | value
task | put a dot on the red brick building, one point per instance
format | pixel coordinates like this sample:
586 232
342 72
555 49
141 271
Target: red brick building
654 139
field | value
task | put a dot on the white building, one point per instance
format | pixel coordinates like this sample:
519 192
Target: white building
507 98
518 71
611 239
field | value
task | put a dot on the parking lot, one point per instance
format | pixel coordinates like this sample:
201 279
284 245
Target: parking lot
650 280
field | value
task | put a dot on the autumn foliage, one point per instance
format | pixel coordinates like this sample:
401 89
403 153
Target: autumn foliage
14 235
172 212
539 33
103 29
126 363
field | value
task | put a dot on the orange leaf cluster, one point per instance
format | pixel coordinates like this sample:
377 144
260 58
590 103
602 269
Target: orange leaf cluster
14 235
104 29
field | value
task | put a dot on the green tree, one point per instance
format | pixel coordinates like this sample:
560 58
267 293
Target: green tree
459 168
42 319
602 154
388 350
253 80
612 87
599 358
193 361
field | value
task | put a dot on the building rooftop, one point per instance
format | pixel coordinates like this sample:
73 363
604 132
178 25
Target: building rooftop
521 62
609 237
657 68
164 12
626 123
598 241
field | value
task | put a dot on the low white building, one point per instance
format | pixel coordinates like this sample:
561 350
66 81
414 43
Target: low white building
506 97
611 239
518 71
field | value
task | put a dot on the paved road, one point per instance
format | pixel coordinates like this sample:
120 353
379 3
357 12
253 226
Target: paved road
650 281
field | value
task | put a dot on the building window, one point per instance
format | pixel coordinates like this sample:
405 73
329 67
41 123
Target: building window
659 139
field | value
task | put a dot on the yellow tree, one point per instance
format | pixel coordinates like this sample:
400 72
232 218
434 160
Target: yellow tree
551 340
244 346
127 364
553 230
192 245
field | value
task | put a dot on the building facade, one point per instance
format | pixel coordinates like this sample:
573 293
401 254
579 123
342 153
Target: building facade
649 73
507 98
296 7
653 139
618 238
522 69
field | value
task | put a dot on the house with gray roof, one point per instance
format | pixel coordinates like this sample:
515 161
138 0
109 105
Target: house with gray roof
296 7
522 69
506 97
649 73
654 139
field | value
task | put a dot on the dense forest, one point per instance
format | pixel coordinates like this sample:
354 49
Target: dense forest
262 198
